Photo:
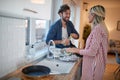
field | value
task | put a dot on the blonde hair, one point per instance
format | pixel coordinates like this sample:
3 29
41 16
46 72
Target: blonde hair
99 12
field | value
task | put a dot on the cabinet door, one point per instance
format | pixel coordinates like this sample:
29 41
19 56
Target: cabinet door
27 8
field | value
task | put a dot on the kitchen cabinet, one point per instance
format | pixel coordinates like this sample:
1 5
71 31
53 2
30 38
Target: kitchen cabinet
27 8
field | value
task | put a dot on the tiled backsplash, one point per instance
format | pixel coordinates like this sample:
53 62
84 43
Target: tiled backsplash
12 43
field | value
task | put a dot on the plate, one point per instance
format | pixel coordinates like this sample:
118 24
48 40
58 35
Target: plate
71 58
57 52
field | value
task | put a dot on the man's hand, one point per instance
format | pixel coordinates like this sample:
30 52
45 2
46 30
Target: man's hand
73 35
65 42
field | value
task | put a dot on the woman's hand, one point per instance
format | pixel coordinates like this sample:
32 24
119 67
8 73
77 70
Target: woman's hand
73 50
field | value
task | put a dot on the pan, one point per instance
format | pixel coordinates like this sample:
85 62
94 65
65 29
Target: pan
35 71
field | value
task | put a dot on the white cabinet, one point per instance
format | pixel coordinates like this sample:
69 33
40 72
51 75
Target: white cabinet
27 8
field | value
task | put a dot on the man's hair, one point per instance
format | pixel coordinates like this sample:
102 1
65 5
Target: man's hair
63 8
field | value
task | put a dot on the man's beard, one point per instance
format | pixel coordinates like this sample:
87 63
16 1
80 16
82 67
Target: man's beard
65 20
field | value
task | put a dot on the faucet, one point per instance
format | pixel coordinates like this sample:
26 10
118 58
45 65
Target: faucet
49 43
50 54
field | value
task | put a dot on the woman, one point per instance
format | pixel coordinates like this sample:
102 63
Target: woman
95 52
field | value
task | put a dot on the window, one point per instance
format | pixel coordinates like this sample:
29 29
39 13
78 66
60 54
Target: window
36 30
41 29
35 35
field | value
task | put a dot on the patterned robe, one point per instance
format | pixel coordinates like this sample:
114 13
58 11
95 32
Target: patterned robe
95 54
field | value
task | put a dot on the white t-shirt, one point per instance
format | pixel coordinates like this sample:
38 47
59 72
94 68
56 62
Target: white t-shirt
64 33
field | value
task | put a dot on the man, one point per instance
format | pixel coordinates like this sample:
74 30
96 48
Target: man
63 29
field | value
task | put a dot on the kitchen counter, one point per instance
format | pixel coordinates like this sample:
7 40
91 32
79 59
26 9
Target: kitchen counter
73 75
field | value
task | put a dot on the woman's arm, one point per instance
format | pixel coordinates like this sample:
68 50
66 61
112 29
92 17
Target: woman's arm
93 46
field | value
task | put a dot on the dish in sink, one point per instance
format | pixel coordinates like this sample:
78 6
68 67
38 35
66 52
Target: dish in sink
57 52
64 53
70 58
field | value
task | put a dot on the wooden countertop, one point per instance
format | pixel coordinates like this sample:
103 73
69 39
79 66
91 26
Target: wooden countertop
73 75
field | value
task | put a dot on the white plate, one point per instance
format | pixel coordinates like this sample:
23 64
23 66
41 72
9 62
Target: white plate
69 58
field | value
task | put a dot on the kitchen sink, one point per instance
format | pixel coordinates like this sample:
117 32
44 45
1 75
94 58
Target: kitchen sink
57 66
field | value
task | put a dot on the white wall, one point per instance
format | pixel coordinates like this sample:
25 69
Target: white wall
17 7
112 16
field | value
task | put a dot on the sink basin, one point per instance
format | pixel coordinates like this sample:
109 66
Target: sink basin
56 66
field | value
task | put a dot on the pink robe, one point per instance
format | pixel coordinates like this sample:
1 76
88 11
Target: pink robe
95 54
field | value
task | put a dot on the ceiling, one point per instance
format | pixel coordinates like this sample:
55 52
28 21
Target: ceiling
106 3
